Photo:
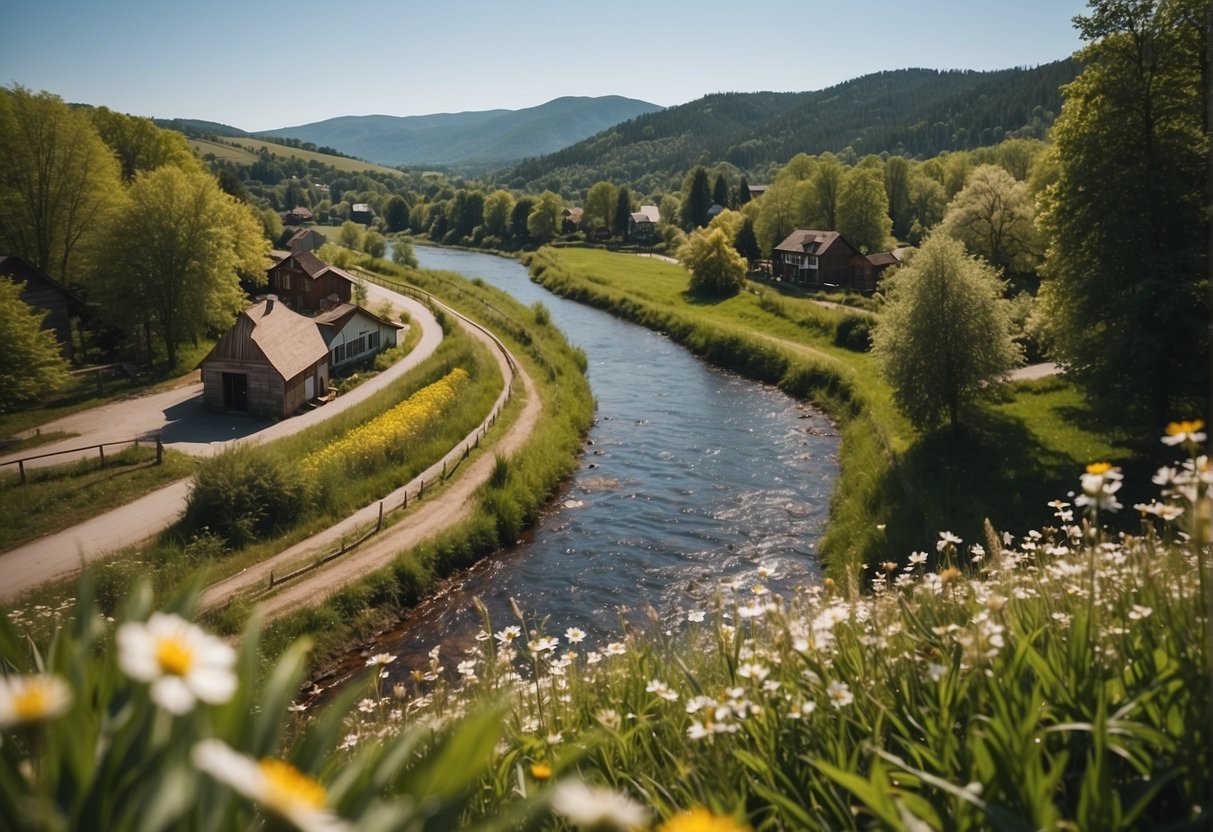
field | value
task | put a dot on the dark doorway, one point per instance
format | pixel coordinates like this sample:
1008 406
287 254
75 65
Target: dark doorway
235 392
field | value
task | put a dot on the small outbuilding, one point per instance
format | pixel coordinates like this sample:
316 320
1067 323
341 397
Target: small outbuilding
43 293
271 362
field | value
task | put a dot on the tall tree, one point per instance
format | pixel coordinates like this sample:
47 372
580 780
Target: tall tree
623 212
518 220
56 179
33 365
945 334
1126 277
716 268
697 198
173 256
720 191
139 144
863 210
897 189
599 206
396 213
497 208
544 220
743 192
995 217
827 182
746 242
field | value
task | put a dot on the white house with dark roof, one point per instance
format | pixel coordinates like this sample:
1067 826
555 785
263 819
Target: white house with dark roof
351 333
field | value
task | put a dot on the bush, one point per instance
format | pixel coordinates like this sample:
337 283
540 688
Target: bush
243 495
854 332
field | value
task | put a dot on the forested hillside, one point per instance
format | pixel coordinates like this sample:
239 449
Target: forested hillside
475 138
917 113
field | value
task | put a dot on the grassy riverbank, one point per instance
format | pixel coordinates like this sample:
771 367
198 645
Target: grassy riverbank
897 487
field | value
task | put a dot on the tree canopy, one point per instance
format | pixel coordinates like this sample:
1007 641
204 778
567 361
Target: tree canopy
1125 286
33 365
57 178
717 270
945 335
994 215
173 253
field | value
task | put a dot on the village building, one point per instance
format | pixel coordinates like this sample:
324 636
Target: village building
361 212
303 281
306 239
44 294
825 260
351 334
271 362
642 224
297 216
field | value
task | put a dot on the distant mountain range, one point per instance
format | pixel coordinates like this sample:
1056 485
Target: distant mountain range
487 137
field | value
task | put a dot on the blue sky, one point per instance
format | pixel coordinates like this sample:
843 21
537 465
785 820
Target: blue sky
261 64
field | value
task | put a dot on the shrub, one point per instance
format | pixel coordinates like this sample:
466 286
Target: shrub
244 494
854 332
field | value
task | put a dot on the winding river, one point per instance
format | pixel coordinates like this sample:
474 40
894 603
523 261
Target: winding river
693 479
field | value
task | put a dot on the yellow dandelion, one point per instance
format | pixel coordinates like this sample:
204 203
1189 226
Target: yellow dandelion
541 771
700 819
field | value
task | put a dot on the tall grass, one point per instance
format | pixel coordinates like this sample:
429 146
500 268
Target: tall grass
1062 682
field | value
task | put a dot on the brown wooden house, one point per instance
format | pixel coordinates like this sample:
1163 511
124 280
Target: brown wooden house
271 362
44 294
825 260
302 280
306 239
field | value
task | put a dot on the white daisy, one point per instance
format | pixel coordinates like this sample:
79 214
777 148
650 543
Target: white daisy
28 699
180 661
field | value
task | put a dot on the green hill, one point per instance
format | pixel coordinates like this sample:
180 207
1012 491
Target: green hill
912 112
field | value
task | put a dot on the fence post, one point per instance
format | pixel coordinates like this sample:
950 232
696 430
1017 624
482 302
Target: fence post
405 504
379 525
159 449
21 468
444 469
271 578
102 449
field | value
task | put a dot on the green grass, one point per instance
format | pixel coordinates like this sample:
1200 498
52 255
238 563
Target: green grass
59 497
245 152
897 486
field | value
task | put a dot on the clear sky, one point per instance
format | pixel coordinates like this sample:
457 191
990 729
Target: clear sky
262 64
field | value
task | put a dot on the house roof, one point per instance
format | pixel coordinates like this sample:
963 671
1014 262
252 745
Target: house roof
884 258
300 211
331 321
314 267
361 207
22 270
809 241
652 212
290 342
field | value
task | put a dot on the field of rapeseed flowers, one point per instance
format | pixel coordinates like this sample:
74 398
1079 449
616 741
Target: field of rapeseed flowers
1057 679
385 439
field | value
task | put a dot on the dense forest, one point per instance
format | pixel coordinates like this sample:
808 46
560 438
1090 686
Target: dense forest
916 113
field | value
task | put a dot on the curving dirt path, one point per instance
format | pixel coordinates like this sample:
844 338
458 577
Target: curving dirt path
452 504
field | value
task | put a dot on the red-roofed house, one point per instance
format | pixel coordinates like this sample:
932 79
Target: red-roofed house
824 259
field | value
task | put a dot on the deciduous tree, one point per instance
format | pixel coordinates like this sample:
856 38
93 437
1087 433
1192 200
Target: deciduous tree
1126 276
544 220
716 268
600 206
945 335
33 364
56 179
497 208
994 215
173 254
863 210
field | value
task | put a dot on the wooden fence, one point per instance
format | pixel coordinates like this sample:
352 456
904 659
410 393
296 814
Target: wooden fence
100 448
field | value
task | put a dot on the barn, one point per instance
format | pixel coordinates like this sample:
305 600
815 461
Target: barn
271 362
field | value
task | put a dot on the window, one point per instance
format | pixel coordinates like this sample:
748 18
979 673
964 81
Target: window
355 347
372 341
339 353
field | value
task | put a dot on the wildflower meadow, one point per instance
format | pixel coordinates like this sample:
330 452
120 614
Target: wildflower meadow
1054 679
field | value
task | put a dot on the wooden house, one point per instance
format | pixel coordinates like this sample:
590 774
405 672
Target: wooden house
351 333
302 281
271 362
825 260
361 212
297 216
306 239
45 294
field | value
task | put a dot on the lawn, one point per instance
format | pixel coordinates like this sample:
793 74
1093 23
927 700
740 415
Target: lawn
59 497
